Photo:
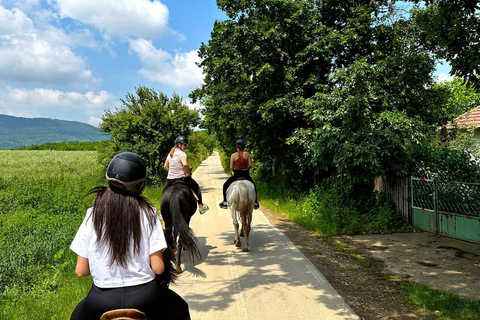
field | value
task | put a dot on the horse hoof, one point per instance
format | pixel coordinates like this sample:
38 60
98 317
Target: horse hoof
245 250
238 244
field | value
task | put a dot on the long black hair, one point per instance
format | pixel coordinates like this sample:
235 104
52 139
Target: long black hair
117 220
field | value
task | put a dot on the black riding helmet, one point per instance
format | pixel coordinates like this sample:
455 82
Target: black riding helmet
241 143
181 139
129 170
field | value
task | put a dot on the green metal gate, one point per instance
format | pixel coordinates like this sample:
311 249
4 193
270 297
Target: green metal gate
449 209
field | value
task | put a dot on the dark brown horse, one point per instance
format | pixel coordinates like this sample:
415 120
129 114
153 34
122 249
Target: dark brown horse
178 205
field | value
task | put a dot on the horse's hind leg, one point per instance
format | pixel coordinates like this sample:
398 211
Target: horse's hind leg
246 228
178 260
237 241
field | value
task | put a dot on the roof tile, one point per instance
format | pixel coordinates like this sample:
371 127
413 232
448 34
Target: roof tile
468 119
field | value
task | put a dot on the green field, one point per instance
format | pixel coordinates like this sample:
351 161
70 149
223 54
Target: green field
41 208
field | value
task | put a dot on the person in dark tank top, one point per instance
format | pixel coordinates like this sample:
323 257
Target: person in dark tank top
240 164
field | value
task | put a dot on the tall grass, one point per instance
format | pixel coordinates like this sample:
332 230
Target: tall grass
41 208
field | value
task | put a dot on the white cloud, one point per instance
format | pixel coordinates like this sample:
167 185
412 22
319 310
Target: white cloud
36 100
444 77
179 71
139 18
193 106
94 121
30 54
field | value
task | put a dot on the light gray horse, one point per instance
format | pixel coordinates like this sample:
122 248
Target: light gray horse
240 198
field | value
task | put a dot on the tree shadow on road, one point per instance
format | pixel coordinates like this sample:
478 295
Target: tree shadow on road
273 264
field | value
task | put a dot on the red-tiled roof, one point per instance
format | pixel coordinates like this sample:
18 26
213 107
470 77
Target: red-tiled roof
468 119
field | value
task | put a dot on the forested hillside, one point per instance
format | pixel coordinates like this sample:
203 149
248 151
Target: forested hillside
16 132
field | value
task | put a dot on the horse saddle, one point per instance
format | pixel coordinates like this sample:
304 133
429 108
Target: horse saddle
124 314
183 183
238 179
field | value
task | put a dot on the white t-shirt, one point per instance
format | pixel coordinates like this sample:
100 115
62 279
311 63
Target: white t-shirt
138 271
175 166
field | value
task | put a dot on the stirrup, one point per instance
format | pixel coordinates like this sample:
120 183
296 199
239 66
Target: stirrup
204 209
223 205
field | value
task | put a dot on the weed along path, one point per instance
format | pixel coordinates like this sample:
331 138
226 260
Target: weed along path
272 281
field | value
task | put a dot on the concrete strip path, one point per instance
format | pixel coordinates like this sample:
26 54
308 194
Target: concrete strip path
272 281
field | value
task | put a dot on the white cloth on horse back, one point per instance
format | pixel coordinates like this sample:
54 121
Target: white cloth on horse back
175 166
138 271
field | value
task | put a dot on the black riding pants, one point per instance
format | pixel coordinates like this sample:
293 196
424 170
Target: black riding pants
157 302
238 174
190 182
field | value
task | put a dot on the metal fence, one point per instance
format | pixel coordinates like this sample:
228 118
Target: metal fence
453 197
449 208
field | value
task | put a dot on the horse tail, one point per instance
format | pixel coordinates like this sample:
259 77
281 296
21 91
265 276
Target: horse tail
244 203
186 236
169 275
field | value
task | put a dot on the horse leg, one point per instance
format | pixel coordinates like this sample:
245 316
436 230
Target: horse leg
178 262
246 227
237 242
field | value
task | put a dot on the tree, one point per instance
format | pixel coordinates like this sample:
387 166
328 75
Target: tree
459 98
265 62
282 73
147 123
451 31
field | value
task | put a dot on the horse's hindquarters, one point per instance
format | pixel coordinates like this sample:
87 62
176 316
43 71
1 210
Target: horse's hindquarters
241 197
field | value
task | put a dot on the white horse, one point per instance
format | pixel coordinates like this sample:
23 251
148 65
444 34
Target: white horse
240 198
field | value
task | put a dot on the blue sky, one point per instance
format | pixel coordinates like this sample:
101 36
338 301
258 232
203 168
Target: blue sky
73 59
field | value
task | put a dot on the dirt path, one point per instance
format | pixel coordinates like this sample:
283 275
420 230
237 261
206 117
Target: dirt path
440 262
374 293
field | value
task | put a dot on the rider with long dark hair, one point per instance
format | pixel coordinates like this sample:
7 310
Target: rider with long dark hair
120 244
178 170
240 164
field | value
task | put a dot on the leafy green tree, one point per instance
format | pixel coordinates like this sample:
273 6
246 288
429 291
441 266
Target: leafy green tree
355 131
459 97
319 85
451 31
147 123
265 62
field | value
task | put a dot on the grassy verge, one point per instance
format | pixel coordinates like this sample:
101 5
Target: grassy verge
444 305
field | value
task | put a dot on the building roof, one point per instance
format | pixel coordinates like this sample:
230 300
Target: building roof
468 119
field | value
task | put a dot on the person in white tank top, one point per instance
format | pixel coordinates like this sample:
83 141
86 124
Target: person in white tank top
177 166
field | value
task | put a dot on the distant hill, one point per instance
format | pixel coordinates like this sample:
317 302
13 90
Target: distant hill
16 132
